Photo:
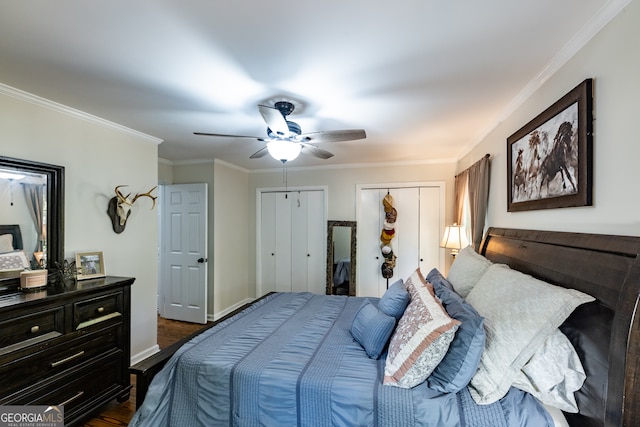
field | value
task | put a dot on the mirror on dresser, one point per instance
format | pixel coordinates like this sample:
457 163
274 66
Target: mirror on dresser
31 217
341 258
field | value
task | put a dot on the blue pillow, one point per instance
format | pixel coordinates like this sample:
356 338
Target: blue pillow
395 300
438 280
463 357
372 329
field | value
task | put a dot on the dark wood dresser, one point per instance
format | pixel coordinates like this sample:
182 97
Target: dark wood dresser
67 345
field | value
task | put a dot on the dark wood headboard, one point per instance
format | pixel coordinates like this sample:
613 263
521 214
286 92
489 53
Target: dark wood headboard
14 230
605 333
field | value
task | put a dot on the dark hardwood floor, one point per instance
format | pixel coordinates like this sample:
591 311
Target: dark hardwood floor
119 414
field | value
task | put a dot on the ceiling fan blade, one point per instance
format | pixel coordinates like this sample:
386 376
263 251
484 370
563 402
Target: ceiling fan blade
229 136
274 119
333 135
260 153
315 151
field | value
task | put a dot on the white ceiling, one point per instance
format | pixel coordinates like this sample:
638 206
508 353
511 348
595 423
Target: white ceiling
426 79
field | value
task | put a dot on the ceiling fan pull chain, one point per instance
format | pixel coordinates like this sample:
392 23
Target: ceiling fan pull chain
284 178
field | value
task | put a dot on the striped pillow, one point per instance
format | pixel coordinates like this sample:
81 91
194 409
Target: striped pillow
421 338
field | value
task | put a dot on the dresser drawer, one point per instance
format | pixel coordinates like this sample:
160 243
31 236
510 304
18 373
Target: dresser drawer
96 310
28 371
73 391
22 331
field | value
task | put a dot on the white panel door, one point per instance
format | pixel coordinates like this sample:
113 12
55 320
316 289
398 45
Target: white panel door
283 242
267 254
298 241
405 243
369 259
431 226
183 282
316 251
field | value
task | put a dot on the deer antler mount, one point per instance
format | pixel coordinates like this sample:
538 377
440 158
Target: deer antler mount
120 206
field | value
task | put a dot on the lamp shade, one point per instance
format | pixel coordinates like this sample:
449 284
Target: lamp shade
283 150
455 237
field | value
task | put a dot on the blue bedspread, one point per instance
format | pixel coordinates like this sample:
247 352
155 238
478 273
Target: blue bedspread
290 360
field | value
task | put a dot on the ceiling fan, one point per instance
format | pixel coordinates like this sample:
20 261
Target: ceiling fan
285 140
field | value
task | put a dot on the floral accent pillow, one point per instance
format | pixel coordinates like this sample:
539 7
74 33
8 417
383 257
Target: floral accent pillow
422 337
13 260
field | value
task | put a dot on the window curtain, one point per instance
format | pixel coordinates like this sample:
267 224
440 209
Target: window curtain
33 194
473 183
461 191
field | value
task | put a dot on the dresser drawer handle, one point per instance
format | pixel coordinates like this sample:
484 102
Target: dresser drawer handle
67 359
100 310
71 399
35 329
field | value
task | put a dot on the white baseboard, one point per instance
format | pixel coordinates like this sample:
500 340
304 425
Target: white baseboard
228 310
144 354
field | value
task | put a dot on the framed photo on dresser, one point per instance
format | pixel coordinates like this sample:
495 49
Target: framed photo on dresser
90 265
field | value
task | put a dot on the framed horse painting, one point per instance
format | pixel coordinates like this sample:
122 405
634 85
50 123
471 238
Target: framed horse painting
550 159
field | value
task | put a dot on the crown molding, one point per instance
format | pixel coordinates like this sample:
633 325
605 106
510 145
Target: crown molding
231 165
60 108
606 13
358 165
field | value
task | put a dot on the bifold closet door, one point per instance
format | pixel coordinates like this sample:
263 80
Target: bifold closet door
292 251
405 242
431 226
369 259
267 255
283 247
307 242
416 239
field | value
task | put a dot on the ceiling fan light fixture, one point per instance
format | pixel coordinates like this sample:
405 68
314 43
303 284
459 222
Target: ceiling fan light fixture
283 150
285 140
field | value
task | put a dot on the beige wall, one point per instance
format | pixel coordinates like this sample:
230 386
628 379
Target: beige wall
96 157
230 219
611 58
165 172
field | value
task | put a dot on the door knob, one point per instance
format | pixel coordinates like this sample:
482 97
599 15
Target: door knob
201 260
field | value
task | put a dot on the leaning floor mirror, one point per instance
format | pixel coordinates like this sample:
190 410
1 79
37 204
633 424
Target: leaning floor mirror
341 258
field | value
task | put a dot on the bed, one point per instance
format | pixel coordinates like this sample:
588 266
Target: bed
13 258
604 334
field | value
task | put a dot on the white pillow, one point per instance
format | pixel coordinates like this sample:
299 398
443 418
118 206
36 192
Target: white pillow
553 373
6 243
520 313
466 270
